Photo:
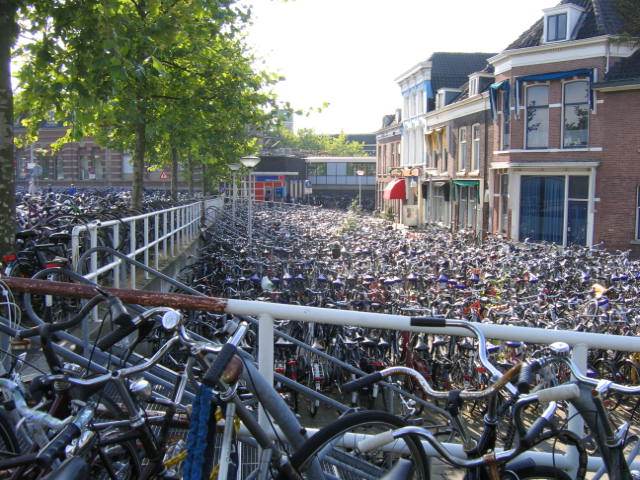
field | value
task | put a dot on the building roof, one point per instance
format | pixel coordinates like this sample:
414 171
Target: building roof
626 68
453 69
601 18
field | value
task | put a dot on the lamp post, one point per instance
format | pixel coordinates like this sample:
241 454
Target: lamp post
250 163
360 172
234 167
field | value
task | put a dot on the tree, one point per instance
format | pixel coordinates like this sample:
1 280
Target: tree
630 14
306 141
136 74
8 32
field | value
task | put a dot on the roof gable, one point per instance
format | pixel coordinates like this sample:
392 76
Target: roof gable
452 69
601 18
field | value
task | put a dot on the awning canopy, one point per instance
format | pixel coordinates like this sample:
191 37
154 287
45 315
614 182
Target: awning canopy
395 190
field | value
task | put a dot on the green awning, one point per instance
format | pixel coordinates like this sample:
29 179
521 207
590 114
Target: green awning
467 183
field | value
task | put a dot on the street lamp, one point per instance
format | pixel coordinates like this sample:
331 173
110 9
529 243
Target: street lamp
360 172
234 167
250 163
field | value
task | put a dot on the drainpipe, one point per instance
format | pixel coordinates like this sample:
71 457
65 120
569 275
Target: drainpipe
485 181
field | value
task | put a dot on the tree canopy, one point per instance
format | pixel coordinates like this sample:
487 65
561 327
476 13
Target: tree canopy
144 75
307 142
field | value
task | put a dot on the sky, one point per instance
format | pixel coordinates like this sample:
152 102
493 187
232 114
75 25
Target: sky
348 53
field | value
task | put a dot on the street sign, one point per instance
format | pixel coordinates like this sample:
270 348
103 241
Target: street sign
164 175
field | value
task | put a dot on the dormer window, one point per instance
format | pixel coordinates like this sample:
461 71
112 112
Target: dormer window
561 22
445 96
473 86
557 27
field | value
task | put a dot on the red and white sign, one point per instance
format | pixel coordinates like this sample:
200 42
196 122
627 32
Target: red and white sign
164 175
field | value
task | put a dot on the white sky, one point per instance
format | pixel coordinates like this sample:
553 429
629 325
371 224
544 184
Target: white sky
349 52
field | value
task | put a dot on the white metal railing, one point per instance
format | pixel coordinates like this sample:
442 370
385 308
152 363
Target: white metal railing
580 341
148 237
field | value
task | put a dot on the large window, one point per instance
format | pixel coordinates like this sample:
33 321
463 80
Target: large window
556 27
537 135
462 148
505 130
504 203
542 208
638 213
475 150
576 114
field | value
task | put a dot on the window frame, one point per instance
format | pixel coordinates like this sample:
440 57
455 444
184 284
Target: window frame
475 147
535 108
462 149
587 105
554 19
637 233
505 124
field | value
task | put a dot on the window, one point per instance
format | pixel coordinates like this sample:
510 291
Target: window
462 148
505 122
127 163
576 114
473 86
475 150
317 169
638 213
542 208
352 168
537 135
557 27
504 203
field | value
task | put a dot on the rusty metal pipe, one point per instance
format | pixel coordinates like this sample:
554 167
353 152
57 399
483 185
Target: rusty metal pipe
138 297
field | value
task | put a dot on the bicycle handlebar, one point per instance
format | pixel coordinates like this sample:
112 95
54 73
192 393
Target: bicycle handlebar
553 394
482 343
426 387
528 371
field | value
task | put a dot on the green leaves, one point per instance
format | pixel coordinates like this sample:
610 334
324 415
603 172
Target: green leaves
145 76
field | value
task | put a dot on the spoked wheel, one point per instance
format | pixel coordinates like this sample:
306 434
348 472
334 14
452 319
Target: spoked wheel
335 447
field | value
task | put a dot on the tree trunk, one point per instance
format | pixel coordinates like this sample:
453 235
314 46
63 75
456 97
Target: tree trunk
174 174
7 172
190 172
138 158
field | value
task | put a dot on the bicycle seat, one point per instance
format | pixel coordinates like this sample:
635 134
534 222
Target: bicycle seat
24 234
60 237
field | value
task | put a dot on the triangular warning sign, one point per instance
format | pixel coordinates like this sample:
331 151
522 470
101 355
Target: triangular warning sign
164 175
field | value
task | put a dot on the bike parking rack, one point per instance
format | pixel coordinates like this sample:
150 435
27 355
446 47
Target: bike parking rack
266 313
172 227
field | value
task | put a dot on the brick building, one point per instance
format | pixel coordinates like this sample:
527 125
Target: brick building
85 164
565 168
541 143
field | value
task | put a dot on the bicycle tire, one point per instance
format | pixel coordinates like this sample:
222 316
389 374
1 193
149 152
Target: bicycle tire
9 443
323 445
111 452
538 472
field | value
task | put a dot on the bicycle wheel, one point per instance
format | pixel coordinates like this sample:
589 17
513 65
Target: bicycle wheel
9 444
113 455
538 472
335 447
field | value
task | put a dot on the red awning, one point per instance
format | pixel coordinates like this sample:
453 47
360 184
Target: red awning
395 190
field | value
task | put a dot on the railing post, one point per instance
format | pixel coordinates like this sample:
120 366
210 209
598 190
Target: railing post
145 234
117 274
164 234
579 354
75 245
173 232
132 253
265 356
156 228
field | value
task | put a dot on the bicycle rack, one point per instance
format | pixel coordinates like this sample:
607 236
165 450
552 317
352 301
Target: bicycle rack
266 312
